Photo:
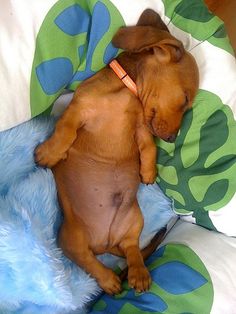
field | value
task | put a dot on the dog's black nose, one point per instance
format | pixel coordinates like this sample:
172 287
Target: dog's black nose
171 138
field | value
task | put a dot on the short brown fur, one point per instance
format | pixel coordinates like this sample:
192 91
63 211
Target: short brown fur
102 148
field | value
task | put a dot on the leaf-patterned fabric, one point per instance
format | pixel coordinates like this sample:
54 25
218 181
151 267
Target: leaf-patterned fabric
49 46
198 170
192 273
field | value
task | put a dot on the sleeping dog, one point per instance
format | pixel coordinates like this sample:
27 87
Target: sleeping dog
103 146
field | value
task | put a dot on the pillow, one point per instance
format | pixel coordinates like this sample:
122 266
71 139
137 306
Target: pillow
198 170
190 274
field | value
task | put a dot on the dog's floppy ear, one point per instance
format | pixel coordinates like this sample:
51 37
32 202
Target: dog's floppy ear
140 38
151 18
149 30
169 50
137 38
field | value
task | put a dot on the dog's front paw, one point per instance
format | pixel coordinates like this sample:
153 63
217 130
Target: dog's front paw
148 176
139 278
47 156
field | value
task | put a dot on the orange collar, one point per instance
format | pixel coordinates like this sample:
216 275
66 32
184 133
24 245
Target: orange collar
123 76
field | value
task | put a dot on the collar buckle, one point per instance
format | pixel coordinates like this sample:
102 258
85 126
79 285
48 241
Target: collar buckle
123 76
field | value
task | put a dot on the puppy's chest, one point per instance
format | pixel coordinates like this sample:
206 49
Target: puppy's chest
112 121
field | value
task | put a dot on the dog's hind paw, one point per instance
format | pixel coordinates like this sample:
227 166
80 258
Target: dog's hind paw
139 278
111 284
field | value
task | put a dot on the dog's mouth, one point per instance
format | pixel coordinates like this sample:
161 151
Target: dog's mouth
155 127
159 129
152 128
150 122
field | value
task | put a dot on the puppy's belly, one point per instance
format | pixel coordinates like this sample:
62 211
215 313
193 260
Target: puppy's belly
96 192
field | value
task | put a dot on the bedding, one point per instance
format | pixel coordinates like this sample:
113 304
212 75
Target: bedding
192 272
35 277
49 48
60 43
198 170
52 45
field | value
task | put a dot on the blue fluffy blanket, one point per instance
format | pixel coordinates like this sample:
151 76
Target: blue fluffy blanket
35 277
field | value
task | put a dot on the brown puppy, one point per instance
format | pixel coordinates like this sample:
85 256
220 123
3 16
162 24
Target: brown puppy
102 146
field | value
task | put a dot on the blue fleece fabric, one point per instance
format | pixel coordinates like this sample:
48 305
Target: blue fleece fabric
35 277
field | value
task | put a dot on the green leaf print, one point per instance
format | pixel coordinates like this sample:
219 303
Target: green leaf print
73 43
204 159
193 17
179 281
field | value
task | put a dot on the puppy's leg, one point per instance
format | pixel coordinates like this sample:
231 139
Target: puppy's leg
74 242
147 251
148 152
55 148
138 275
